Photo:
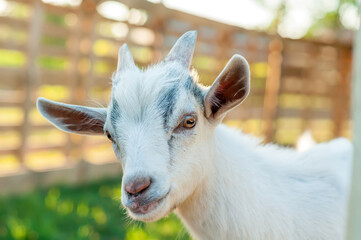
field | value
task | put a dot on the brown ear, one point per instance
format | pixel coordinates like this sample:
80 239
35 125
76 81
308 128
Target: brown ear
73 118
231 87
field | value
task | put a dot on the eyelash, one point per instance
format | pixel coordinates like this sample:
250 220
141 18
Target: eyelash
109 136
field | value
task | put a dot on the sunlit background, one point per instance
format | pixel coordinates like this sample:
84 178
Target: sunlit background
65 50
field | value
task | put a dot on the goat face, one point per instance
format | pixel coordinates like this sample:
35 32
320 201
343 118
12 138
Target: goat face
160 122
155 133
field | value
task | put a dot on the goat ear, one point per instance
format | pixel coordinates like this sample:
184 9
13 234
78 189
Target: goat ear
73 118
125 58
183 49
231 87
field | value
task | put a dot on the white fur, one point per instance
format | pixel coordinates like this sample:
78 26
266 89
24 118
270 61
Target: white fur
222 183
266 192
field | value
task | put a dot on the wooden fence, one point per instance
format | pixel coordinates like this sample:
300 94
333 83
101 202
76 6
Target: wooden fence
68 54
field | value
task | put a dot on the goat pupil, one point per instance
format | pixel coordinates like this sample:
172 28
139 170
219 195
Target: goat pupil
109 136
189 122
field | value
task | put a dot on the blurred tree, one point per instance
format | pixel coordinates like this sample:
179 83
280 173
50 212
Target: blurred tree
321 19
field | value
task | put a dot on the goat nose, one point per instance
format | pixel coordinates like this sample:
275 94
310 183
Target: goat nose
137 185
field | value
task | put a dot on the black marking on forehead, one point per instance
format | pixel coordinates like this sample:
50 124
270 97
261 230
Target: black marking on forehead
194 89
114 113
198 94
168 98
188 83
170 148
167 102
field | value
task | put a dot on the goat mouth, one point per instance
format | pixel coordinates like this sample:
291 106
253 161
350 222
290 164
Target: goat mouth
142 210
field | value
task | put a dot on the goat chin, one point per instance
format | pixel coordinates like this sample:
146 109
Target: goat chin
158 211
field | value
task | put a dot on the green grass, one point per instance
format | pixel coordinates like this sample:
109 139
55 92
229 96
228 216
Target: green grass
91 211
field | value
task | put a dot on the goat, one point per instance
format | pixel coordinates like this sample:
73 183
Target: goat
176 155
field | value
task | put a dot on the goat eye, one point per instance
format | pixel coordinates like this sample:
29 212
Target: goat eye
189 122
109 136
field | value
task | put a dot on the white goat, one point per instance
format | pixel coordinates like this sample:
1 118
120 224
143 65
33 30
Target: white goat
176 156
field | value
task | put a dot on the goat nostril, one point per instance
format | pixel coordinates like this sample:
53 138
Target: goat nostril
137 186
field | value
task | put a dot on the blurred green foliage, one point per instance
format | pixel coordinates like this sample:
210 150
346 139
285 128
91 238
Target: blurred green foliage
54 41
90 211
55 19
11 58
53 63
330 20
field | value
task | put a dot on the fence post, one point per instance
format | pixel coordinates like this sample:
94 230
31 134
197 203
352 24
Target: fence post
272 87
74 142
354 218
31 76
